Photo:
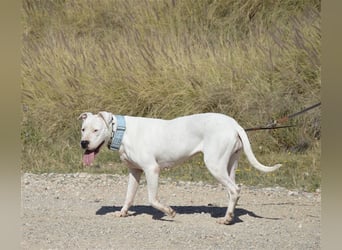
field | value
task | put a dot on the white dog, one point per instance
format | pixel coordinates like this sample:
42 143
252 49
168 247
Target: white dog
150 145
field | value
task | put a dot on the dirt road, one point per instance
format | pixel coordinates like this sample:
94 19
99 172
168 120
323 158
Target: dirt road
75 211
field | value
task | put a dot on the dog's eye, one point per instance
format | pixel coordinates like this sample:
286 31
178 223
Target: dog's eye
82 129
95 130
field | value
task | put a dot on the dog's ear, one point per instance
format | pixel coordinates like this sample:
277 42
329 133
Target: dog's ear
106 116
84 115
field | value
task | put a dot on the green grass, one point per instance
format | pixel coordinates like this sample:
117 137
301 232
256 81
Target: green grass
253 60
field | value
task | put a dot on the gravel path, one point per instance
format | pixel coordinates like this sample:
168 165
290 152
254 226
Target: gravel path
75 211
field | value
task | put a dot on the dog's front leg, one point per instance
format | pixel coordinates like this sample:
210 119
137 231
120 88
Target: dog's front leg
152 176
133 184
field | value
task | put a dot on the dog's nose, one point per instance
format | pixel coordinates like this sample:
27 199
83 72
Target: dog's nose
84 144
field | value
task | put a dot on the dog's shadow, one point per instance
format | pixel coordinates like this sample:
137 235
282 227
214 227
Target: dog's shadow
214 211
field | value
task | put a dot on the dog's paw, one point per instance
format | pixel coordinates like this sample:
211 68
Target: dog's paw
226 220
120 214
171 212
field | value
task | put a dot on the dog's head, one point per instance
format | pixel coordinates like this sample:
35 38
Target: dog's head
96 131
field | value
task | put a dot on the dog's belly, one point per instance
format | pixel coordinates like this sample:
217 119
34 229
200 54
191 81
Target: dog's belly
165 161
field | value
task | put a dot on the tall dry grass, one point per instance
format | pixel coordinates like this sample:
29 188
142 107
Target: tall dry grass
253 60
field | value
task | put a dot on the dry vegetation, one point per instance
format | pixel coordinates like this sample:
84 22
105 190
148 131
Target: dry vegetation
254 60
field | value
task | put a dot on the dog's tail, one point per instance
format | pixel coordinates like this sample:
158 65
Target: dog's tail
249 153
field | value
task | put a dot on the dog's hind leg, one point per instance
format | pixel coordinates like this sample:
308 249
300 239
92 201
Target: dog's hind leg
232 188
233 164
233 193
223 169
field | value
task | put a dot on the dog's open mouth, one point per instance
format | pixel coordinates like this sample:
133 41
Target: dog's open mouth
89 155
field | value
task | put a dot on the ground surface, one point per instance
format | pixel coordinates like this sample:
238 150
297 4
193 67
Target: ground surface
75 211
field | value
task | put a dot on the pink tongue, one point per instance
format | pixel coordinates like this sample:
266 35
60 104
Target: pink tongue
88 158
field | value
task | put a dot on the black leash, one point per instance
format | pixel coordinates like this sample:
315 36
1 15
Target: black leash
284 119
265 128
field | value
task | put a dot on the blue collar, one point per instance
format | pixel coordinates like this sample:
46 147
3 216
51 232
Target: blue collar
118 133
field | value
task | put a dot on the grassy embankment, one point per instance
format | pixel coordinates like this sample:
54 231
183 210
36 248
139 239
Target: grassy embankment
254 60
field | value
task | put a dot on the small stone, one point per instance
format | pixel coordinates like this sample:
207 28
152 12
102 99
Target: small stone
82 175
292 193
